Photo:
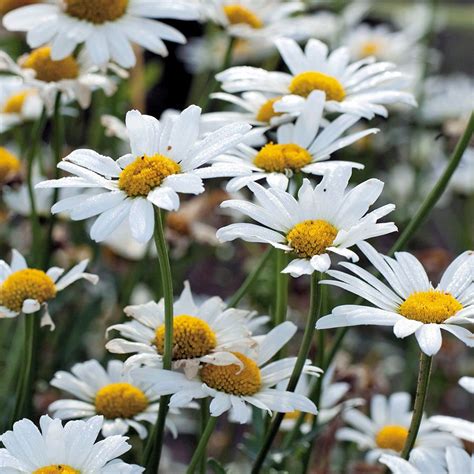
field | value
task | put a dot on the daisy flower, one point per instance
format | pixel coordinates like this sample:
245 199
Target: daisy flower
300 147
455 461
411 304
201 333
330 405
75 78
243 380
28 290
322 219
18 103
361 88
10 165
386 430
110 392
250 18
163 162
58 449
106 28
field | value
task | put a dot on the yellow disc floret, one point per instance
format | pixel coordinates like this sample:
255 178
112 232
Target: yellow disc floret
233 378
9 165
311 237
14 104
146 173
238 14
431 306
306 82
392 437
282 157
267 112
369 48
120 400
56 469
48 70
28 283
96 11
192 337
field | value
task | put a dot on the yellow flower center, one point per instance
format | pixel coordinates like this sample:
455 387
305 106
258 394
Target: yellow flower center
57 469
146 173
233 378
14 104
267 112
28 283
9 164
192 337
238 14
369 48
306 82
311 237
282 157
96 11
392 437
431 306
8 5
120 400
48 70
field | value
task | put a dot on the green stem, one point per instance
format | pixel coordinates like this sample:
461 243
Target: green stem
314 312
201 448
58 140
251 278
204 418
281 288
420 398
36 134
155 442
437 190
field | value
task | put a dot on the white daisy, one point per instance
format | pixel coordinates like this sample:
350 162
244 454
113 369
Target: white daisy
412 304
201 333
163 162
243 380
28 290
75 78
361 88
110 392
456 461
330 403
323 219
386 430
107 28
10 166
58 449
300 147
18 103
250 18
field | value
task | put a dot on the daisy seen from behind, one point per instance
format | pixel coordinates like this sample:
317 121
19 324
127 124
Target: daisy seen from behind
362 88
75 78
166 159
322 219
455 461
58 449
28 290
244 380
202 333
300 147
107 28
386 429
110 392
411 304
